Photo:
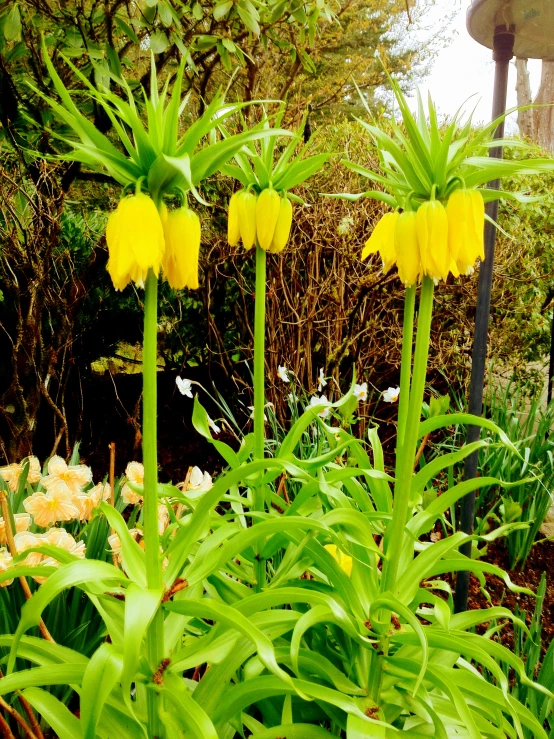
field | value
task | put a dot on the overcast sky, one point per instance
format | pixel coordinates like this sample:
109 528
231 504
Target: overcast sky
465 68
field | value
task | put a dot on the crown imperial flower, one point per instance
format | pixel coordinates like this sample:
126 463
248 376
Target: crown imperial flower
135 239
182 247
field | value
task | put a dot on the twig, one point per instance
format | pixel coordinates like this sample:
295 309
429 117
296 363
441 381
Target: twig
5 728
111 447
421 448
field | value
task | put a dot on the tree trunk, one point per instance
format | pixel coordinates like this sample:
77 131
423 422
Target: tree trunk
524 97
538 123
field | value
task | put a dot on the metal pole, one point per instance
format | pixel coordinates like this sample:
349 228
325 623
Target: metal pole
502 54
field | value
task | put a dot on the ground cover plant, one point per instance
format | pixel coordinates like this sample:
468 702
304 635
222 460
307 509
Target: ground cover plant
299 595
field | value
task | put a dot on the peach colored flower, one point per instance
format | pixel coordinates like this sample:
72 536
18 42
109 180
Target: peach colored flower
87 502
22 523
59 537
135 475
48 508
5 562
163 518
12 472
25 540
64 478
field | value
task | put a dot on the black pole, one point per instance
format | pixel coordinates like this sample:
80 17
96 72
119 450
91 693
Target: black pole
502 54
551 364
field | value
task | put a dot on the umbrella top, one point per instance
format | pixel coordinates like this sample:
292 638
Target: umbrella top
532 22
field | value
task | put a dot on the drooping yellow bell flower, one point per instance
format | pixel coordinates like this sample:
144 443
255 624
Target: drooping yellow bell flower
283 226
135 241
267 215
382 240
344 560
242 219
182 239
466 227
432 235
408 257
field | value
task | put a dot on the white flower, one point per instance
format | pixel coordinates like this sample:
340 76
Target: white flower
251 408
322 381
283 373
292 398
315 400
199 480
391 394
216 429
184 386
360 391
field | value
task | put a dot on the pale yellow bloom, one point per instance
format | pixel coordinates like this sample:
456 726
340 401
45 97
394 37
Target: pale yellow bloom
64 478
22 523
5 562
344 560
135 475
12 472
199 482
59 537
87 502
163 518
49 508
25 540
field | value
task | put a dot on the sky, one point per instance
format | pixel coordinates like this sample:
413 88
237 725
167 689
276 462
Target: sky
465 68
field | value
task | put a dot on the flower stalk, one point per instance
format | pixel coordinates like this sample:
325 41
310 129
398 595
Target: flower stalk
154 637
394 536
259 392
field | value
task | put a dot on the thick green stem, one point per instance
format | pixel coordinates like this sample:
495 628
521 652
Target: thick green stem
259 354
394 537
259 394
406 365
154 638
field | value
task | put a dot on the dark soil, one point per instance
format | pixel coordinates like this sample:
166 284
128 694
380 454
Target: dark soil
540 560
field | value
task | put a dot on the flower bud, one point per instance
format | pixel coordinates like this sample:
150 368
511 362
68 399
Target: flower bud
182 238
432 234
382 240
282 229
406 244
135 238
267 214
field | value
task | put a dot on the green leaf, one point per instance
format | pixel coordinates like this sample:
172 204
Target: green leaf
55 713
12 24
101 675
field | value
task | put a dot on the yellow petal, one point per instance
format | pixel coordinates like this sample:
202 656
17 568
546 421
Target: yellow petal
180 260
432 233
408 256
267 214
233 226
247 209
283 226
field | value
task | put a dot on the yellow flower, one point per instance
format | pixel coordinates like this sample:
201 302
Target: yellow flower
282 229
242 219
466 225
344 560
382 240
5 562
58 537
22 523
406 244
135 475
12 472
135 241
267 215
56 505
64 478
182 247
432 235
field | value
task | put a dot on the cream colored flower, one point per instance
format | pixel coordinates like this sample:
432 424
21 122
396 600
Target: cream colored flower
135 475
5 562
87 502
58 537
200 480
115 543
163 518
283 373
51 507
360 391
64 478
22 523
12 472
25 540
